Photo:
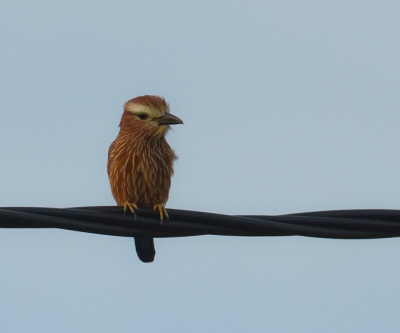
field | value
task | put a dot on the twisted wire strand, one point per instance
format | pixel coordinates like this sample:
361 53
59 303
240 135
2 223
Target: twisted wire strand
111 220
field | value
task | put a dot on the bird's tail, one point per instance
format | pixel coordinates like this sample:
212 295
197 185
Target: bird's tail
145 248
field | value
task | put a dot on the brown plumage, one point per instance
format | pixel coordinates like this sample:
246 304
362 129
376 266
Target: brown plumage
140 160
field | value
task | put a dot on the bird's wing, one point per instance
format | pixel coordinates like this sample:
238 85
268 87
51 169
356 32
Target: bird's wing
109 157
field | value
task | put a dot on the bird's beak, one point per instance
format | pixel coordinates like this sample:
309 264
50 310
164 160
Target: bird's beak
169 119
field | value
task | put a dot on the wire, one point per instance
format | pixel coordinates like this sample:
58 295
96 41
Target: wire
342 224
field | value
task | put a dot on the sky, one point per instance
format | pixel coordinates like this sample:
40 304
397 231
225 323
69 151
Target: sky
288 106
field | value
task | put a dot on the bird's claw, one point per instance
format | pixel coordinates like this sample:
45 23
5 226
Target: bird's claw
132 207
162 211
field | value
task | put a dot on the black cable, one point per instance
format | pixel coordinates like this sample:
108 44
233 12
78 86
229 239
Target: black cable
344 224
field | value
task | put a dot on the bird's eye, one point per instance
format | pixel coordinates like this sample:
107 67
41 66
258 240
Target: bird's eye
142 116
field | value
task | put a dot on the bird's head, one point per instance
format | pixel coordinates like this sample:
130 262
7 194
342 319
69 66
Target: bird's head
148 115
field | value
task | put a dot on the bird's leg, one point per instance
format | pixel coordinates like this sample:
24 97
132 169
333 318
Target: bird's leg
132 207
162 211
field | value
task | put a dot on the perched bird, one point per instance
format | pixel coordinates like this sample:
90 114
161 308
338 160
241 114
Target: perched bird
140 161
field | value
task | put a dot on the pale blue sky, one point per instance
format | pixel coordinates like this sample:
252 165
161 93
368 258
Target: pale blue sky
289 106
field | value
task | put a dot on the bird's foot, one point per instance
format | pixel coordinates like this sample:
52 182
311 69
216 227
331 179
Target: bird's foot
162 211
132 207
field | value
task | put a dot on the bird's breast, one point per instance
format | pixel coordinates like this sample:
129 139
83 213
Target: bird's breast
140 172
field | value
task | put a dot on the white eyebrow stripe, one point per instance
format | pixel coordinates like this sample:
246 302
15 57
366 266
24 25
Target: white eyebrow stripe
136 108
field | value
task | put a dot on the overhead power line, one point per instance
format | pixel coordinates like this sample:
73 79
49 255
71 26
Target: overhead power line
342 224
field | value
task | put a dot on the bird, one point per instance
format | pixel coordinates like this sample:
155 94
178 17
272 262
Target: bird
140 161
